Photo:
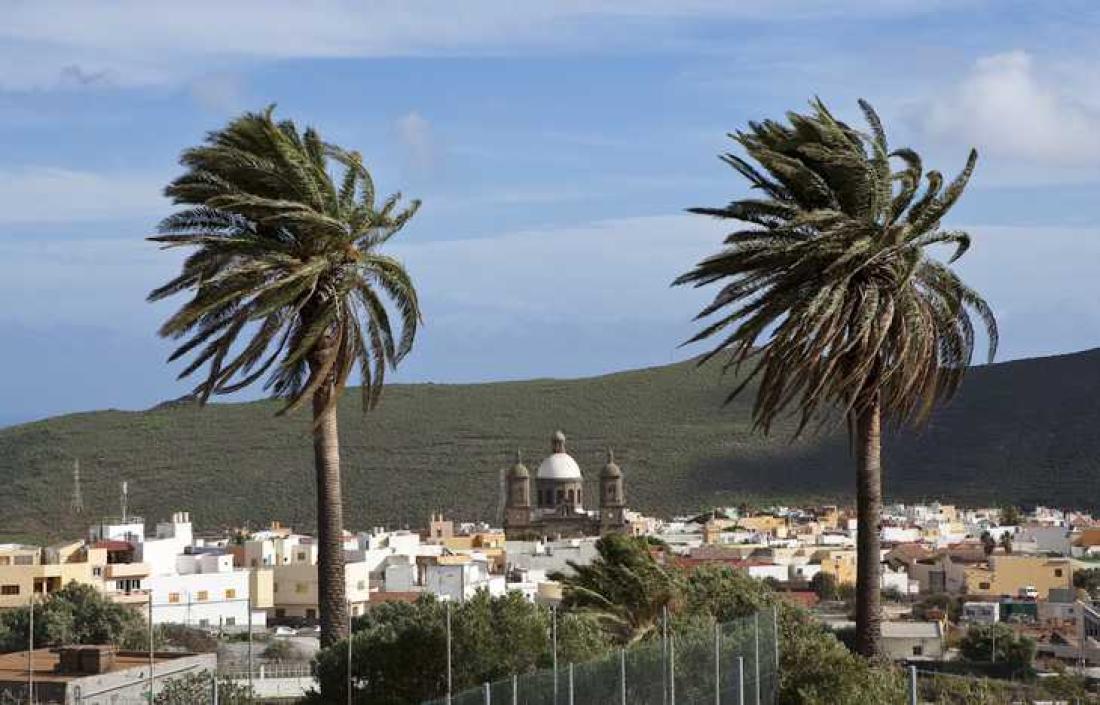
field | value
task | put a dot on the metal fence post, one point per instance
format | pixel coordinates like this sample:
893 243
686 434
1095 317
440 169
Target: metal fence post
570 683
554 647
717 663
756 654
912 685
449 690
672 671
251 689
622 675
775 636
740 680
214 686
515 689
488 694
664 655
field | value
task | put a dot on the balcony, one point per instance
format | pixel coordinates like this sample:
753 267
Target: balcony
128 597
118 571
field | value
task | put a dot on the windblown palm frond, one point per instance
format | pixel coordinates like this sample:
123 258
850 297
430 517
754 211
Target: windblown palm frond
624 589
288 280
830 294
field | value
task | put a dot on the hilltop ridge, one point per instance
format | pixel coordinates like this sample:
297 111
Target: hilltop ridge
1026 431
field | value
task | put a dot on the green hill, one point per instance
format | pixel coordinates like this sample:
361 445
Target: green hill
1024 431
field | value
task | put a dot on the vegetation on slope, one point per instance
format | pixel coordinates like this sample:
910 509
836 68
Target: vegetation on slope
1019 432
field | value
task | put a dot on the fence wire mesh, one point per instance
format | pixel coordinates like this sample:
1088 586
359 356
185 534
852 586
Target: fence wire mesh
938 688
735 663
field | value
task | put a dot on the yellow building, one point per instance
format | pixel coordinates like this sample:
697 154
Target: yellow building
1011 574
294 589
765 524
27 569
838 562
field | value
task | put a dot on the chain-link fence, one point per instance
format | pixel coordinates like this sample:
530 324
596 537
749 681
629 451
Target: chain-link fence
735 663
928 687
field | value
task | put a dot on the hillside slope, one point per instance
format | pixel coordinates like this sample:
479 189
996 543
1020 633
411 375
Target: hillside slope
1025 431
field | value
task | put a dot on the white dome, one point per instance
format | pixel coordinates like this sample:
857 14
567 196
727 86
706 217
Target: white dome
559 466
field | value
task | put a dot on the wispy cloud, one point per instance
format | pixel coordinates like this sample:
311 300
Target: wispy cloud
40 194
133 43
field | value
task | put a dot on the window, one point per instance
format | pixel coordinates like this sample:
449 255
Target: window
569 495
253 562
311 614
1057 572
5 560
301 556
24 560
361 585
300 588
230 594
97 571
9 589
280 613
203 596
918 650
204 623
173 597
983 586
230 621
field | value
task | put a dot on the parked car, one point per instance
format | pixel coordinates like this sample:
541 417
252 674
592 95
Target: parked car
284 631
310 631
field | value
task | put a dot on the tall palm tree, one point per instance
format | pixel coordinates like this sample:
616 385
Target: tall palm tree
288 284
832 299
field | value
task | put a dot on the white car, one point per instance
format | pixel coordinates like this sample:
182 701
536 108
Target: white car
310 631
284 631
1030 592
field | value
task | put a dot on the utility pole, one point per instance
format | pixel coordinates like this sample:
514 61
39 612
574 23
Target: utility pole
152 653
30 652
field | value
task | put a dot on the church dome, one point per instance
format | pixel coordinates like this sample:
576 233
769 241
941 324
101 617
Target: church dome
559 465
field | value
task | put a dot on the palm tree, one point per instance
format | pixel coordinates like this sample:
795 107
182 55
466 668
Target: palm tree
288 284
831 297
624 589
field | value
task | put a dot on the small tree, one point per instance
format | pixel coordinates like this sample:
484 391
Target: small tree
989 544
1010 515
1006 542
1087 580
998 644
825 586
75 614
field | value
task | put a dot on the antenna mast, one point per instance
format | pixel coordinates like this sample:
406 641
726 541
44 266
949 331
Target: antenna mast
77 504
125 497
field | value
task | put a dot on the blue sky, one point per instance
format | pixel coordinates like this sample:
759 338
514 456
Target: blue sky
555 146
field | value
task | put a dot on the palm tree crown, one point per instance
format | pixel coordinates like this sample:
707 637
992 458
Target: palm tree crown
833 274
287 278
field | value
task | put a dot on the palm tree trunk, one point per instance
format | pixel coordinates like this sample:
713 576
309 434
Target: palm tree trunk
331 597
868 429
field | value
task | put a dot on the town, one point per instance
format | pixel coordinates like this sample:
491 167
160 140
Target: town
945 569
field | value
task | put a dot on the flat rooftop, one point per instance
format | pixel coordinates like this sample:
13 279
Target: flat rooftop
13 666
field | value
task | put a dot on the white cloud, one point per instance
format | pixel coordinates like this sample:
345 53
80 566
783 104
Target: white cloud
414 132
134 43
37 194
1008 106
218 93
